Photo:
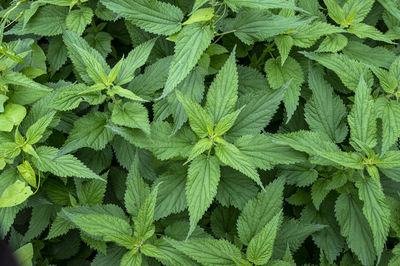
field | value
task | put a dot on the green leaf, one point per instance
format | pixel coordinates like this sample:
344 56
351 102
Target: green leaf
144 227
200 121
264 153
191 42
24 255
325 111
362 31
209 251
333 43
201 187
260 210
234 189
390 7
235 5
171 196
153 16
389 112
354 227
63 166
13 115
73 40
335 12
135 59
78 19
56 54
284 43
93 68
257 112
27 172
202 14
35 132
289 73
230 155
390 159
48 21
89 131
222 94
133 115
375 210
200 147
305 36
346 159
136 189
362 118
226 123
15 194
256 26
100 224
348 70
260 247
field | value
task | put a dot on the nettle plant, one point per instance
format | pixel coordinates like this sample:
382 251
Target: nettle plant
200 132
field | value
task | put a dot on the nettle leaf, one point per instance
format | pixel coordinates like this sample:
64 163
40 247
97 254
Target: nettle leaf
362 118
136 189
236 5
153 16
289 73
133 115
201 187
191 42
255 26
63 166
222 94
230 155
209 251
348 70
144 227
375 210
389 112
100 224
78 19
355 228
261 245
89 131
325 111
200 121
260 210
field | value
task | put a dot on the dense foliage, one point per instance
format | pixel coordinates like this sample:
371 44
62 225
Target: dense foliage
211 132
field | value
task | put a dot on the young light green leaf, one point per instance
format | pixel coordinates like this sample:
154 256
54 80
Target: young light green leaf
201 187
13 115
202 14
27 172
15 194
230 155
389 112
144 227
226 122
261 245
200 147
36 131
200 121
